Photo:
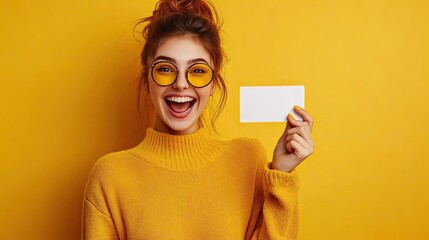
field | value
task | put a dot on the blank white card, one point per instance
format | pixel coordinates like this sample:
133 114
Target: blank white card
270 103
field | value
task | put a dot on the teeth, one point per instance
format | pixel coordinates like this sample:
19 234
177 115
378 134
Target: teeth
180 99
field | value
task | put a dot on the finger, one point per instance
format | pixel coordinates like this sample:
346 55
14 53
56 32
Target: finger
305 116
289 125
298 123
299 139
289 148
303 132
295 122
300 151
292 121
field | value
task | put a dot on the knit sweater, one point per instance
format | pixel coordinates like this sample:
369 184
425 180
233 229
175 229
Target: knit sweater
189 187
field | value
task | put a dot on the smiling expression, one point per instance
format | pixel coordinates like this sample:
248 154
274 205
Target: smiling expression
180 105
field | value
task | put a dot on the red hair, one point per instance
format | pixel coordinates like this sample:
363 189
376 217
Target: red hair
196 18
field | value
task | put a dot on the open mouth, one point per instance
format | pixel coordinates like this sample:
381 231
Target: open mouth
180 106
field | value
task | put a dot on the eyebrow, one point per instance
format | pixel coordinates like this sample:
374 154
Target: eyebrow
196 60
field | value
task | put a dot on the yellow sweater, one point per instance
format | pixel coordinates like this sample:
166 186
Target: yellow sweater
189 187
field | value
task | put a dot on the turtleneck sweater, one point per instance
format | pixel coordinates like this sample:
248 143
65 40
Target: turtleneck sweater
190 186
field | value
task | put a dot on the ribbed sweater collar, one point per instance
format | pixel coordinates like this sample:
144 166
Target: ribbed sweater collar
178 152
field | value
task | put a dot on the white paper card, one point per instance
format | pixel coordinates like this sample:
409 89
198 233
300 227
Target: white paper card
270 103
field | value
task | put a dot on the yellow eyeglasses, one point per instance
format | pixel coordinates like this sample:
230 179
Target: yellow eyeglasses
165 73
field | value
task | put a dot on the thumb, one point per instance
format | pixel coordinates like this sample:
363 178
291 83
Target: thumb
289 124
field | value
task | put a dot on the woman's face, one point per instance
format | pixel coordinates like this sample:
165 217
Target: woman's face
179 105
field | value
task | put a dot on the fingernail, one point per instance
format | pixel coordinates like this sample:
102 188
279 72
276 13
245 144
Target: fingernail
297 108
290 116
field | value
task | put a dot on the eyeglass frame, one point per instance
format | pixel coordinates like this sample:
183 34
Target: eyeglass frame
178 72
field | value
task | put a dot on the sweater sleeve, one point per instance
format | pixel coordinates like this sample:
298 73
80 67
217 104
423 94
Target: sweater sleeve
277 217
280 208
97 222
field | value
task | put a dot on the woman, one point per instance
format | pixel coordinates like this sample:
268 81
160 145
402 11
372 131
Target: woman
180 182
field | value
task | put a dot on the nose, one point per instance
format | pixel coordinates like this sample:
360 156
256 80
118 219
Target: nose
181 82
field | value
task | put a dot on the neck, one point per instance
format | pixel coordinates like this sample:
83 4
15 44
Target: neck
161 126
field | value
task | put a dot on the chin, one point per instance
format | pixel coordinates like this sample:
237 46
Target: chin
169 124
184 127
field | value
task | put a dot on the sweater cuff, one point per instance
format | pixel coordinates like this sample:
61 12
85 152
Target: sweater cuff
276 178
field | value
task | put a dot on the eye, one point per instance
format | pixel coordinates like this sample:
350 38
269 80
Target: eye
198 71
164 69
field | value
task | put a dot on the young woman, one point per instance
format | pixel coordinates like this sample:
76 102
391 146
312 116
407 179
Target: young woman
180 182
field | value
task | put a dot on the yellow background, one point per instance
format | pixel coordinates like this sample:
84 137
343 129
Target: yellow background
68 96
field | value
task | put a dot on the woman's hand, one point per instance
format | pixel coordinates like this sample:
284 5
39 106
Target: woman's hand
295 144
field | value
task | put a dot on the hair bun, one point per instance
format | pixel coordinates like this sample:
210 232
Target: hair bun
201 8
